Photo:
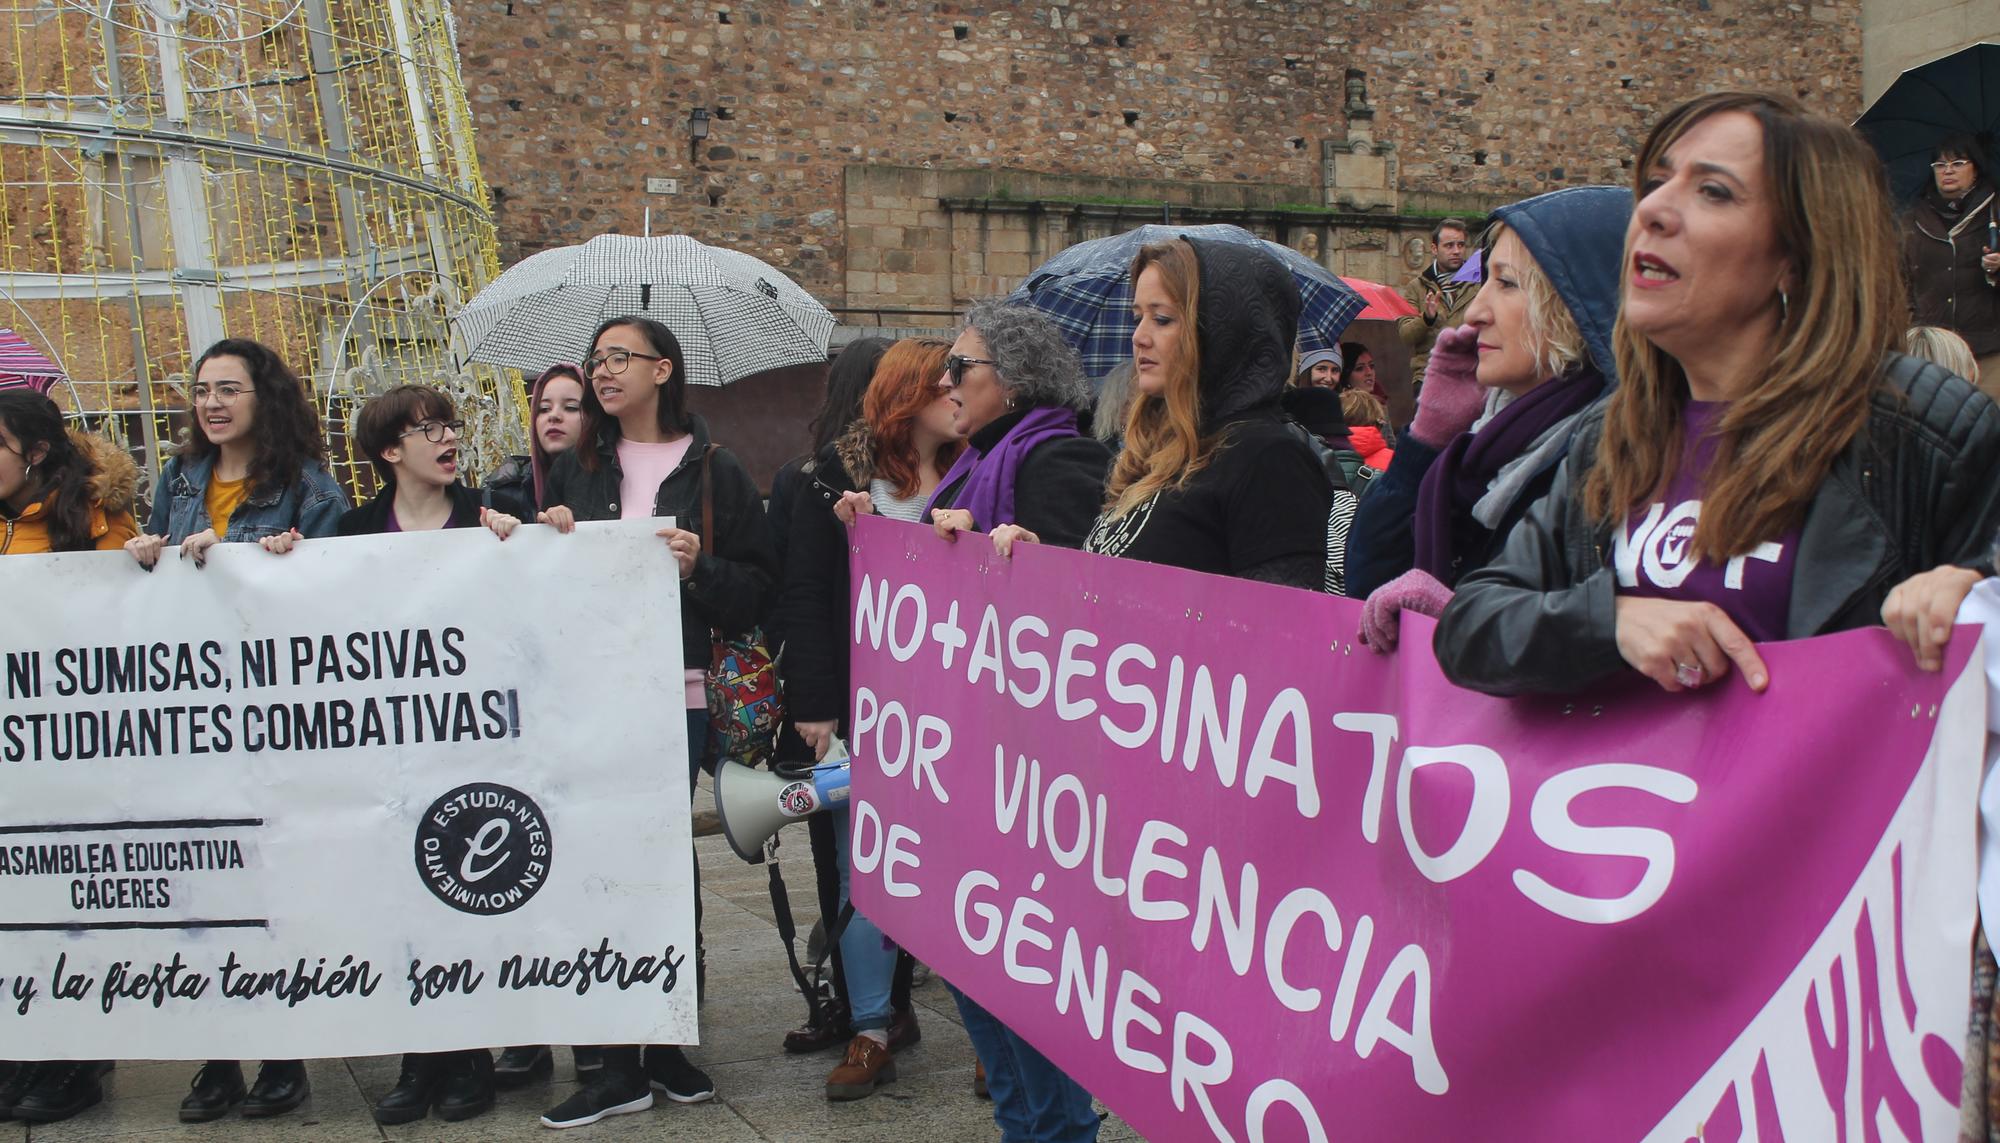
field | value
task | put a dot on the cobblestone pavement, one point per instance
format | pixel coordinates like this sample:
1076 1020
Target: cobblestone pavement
761 1093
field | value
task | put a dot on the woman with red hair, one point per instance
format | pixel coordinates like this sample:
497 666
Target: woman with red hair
888 462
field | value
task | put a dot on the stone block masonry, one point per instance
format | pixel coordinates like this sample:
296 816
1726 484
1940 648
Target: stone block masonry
577 102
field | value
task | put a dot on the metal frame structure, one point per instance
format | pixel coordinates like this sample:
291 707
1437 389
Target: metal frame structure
297 171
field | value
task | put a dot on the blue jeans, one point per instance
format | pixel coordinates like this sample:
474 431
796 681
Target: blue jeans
867 959
1033 1100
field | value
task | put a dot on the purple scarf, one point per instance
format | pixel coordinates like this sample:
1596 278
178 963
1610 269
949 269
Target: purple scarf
988 492
1462 472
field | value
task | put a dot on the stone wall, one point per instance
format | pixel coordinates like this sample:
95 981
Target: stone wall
1897 35
813 104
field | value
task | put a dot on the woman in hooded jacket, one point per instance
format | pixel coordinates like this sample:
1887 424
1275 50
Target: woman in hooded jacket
1500 400
1213 477
72 492
60 491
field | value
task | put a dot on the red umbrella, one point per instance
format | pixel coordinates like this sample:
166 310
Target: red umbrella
1384 303
22 366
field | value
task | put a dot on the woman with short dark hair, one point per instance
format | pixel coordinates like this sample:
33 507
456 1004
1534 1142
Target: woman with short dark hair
1951 251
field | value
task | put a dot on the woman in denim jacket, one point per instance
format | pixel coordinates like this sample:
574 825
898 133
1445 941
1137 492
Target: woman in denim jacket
254 468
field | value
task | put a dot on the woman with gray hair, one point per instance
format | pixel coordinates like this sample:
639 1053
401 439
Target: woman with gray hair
1016 389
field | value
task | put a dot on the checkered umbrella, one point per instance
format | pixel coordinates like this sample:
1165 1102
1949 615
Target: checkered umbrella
1087 290
22 366
733 314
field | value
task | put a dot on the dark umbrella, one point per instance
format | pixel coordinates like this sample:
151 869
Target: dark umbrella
1087 291
1959 94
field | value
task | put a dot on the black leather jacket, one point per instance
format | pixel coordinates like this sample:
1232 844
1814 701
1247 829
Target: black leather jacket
1919 487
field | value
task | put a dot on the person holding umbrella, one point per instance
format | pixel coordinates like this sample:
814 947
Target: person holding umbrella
1951 251
651 457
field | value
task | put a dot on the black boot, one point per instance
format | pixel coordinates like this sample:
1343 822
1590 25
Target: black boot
522 1065
467 1087
16 1081
61 1090
416 1088
281 1086
217 1087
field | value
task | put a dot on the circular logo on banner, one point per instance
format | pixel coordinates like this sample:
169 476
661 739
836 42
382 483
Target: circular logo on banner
483 848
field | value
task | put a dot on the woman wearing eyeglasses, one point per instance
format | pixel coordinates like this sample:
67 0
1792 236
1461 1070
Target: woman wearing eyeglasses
648 459
410 435
1016 389
253 467
1951 252
253 470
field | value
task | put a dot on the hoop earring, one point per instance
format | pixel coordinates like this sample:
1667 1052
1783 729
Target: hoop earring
1784 307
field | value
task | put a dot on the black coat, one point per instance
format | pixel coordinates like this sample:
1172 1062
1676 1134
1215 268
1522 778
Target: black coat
735 576
372 518
1919 487
813 608
513 483
1058 490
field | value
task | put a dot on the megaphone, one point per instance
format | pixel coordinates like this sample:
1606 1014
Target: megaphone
754 804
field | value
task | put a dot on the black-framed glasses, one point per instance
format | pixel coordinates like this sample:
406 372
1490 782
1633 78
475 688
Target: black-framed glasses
614 361
954 367
433 430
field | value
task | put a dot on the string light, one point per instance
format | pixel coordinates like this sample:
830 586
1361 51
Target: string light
297 171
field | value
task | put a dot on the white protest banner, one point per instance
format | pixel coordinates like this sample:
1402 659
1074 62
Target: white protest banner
393 793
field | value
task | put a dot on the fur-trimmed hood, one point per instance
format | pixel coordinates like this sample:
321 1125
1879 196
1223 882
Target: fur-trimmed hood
855 450
114 479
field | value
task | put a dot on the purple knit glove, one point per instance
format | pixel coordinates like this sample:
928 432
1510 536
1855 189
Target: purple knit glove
1451 397
1382 615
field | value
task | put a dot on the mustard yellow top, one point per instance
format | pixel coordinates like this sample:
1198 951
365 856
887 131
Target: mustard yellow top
224 498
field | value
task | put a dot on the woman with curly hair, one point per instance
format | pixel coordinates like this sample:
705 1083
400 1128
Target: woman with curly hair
253 470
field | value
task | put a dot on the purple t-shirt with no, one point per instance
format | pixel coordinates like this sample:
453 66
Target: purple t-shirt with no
1650 551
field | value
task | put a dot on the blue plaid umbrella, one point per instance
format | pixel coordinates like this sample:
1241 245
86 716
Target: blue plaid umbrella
1087 291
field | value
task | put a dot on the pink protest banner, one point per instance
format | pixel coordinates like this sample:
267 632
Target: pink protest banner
1244 879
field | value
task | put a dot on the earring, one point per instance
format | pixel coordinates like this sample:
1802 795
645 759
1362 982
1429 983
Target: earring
1784 307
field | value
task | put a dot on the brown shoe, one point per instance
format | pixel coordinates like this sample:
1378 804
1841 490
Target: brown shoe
867 1066
979 1080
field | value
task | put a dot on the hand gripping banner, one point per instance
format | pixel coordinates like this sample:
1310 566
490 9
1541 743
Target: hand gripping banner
1245 879
393 793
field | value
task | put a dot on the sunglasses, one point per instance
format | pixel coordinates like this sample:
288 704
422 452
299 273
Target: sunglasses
954 367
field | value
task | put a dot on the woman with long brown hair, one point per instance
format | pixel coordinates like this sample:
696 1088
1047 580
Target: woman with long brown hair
1212 477
887 463
1769 467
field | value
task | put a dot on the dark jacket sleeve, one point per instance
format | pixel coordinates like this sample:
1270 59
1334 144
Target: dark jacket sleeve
1060 489
787 488
812 610
562 473
1525 623
1382 541
736 575
1968 495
